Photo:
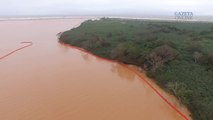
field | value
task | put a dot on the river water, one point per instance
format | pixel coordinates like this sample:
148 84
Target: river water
50 81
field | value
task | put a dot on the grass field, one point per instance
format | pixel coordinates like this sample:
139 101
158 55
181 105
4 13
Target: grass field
177 55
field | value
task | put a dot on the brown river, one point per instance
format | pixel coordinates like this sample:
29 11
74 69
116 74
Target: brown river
50 81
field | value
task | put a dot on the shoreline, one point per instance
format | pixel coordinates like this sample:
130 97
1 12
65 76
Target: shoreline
62 82
46 18
165 19
99 17
185 116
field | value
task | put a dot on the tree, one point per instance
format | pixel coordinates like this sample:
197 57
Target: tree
126 52
159 56
180 90
207 60
194 47
197 56
119 51
109 35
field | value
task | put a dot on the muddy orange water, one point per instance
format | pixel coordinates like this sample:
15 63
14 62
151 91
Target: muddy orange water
50 81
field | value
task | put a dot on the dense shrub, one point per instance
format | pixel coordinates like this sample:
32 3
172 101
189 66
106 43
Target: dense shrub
177 55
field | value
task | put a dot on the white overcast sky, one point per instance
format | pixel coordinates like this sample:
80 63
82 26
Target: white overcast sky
104 7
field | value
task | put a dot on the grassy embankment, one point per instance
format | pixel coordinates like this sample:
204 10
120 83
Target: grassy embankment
177 55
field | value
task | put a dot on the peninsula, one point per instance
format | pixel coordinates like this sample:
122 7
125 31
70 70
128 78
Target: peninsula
177 55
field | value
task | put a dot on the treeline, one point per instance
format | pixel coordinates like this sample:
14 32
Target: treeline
178 55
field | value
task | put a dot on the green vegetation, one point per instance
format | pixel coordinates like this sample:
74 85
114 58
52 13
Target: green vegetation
177 55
